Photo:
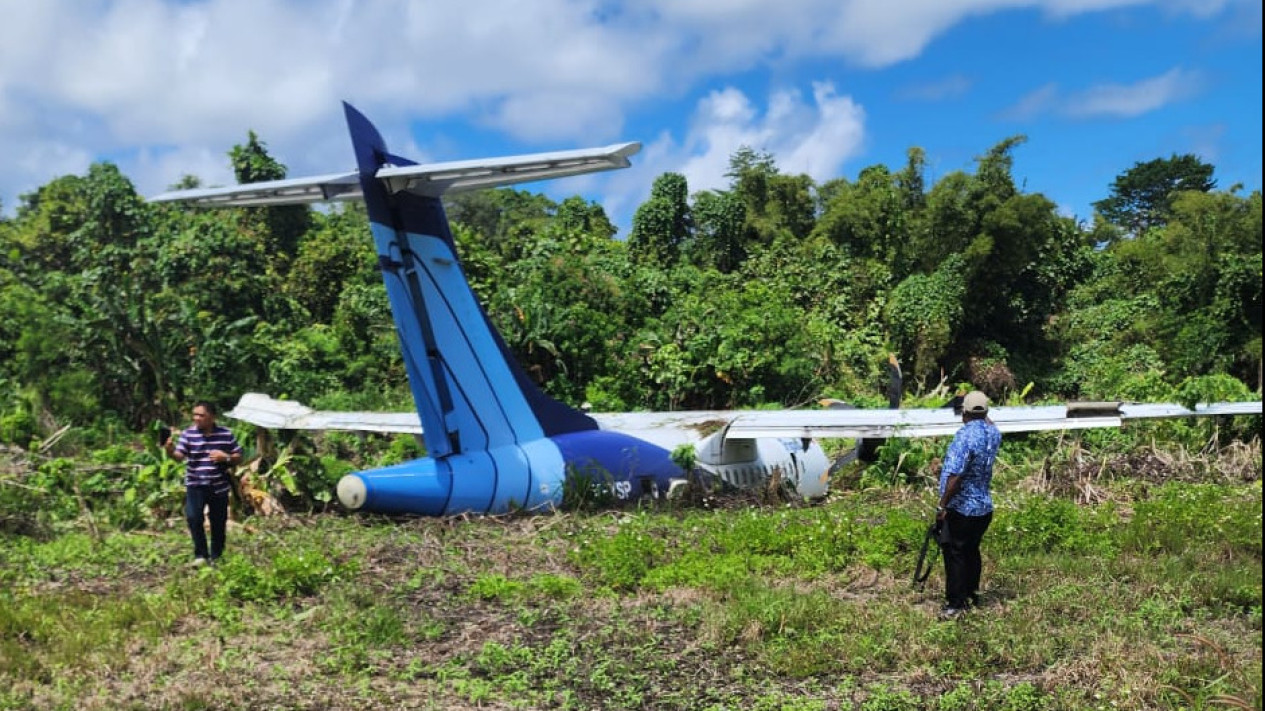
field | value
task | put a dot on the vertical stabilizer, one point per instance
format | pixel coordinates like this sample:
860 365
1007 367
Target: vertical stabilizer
471 395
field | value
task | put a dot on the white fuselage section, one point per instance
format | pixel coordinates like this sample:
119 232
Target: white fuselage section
751 463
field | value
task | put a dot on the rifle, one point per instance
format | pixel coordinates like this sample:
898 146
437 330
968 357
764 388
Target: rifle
920 573
234 487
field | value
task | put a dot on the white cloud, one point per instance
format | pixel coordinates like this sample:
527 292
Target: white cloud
1033 104
1109 100
832 132
147 77
555 115
815 137
1126 100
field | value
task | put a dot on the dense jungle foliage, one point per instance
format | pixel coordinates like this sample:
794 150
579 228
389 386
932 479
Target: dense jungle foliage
116 313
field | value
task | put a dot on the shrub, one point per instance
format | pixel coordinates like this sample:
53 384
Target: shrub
1181 516
621 561
1040 524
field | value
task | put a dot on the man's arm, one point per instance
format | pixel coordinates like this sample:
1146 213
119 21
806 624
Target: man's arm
234 452
170 446
951 488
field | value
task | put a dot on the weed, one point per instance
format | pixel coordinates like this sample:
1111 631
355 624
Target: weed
1178 516
880 698
496 587
621 561
1041 524
587 490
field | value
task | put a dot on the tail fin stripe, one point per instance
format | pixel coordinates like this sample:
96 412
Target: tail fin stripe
472 358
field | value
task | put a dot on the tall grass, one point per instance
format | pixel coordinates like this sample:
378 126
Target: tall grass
1144 596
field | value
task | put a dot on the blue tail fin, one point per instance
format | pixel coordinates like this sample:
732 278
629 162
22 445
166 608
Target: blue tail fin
471 394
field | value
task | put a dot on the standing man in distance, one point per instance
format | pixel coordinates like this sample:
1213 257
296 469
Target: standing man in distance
209 453
966 503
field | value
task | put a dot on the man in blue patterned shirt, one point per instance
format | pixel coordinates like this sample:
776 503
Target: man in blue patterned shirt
966 506
209 452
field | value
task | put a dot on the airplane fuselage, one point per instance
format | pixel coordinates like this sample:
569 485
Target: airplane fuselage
534 475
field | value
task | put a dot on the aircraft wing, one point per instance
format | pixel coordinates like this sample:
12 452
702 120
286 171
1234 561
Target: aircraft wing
671 429
853 424
432 179
263 411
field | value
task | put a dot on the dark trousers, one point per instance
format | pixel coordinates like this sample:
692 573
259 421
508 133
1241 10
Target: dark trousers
196 499
959 542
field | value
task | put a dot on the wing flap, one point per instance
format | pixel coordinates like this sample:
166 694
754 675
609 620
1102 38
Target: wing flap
1137 411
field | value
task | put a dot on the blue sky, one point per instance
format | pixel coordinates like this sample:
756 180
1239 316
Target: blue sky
164 87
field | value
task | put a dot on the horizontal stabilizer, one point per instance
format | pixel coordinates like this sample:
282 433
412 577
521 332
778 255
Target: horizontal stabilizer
436 179
433 179
294 191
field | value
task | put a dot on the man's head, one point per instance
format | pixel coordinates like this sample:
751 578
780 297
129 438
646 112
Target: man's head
203 414
975 405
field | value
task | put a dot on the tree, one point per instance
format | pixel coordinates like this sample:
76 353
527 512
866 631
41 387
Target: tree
993 177
720 220
284 225
662 223
751 176
334 254
867 218
1203 267
791 206
924 313
507 219
1142 196
577 216
1188 293
910 181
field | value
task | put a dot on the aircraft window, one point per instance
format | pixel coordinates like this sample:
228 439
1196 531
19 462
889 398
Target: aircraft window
648 488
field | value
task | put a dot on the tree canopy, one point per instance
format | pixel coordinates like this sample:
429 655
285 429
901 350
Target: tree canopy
1142 197
777 289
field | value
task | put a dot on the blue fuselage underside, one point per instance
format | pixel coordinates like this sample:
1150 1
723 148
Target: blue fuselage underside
529 476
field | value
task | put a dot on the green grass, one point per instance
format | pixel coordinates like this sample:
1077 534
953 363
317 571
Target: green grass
1149 598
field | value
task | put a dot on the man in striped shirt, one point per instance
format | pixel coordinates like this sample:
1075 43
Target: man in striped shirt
209 453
